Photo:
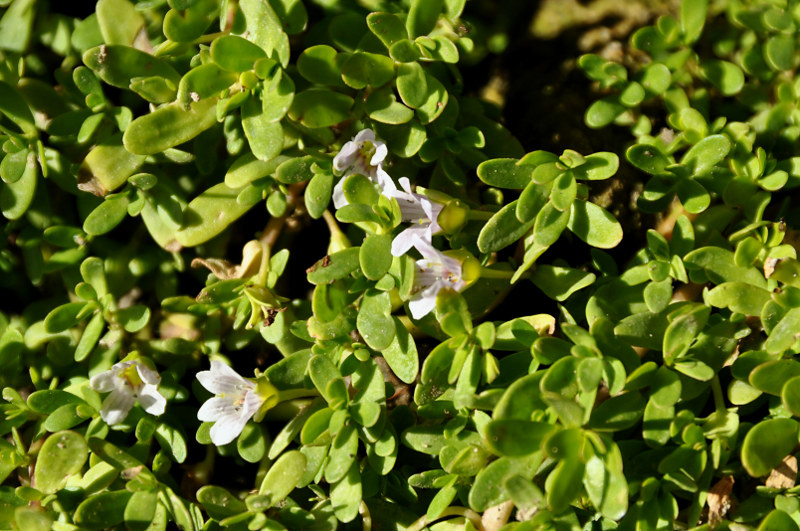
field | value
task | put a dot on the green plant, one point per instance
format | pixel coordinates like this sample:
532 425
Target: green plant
367 362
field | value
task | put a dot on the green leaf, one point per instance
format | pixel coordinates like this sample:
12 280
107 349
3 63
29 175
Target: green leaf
294 170
252 443
336 266
717 264
235 54
603 112
597 166
517 438
505 173
779 52
693 17
560 488
655 78
265 29
778 519
766 444
346 495
342 454
502 229
726 77
790 395
16 197
563 191
618 413
435 102
317 194
374 320
559 283
103 510
704 155
771 376
403 140
387 27
320 108
64 317
375 256
62 455
382 106
117 65
594 225
204 81
120 22
16 26
401 354
187 25
143 510
422 16
169 126
738 297
107 215
108 166
364 69
784 334
321 64
209 214
263 132
16 109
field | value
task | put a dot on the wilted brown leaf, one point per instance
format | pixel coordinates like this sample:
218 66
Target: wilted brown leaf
784 475
719 500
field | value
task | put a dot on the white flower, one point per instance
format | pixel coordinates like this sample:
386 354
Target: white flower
364 154
435 272
127 381
421 211
236 401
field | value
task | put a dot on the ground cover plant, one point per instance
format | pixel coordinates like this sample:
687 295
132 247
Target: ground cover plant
277 264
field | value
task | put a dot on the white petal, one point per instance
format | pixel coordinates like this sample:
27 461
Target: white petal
422 306
365 135
151 400
216 408
428 251
344 159
380 153
339 200
148 375
104 382
252 402
405 240
226 429
384 180
222 379
116 406
405 184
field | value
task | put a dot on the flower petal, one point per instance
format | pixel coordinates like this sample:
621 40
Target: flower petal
405 240
385 181
116 406
422 305
339 200
380 153
151 400
365 135
105 381
148 375
226 429
221 379
216 408
344 159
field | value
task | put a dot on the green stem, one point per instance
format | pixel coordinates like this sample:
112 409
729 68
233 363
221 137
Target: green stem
497 273
469 514
719 399
479 214
210 37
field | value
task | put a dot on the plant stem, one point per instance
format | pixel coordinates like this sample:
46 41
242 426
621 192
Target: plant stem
469 514
719 399
479 214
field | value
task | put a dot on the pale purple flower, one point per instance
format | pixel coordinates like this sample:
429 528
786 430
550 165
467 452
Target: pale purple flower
126 382
420 211
435 272
235 402
364 154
